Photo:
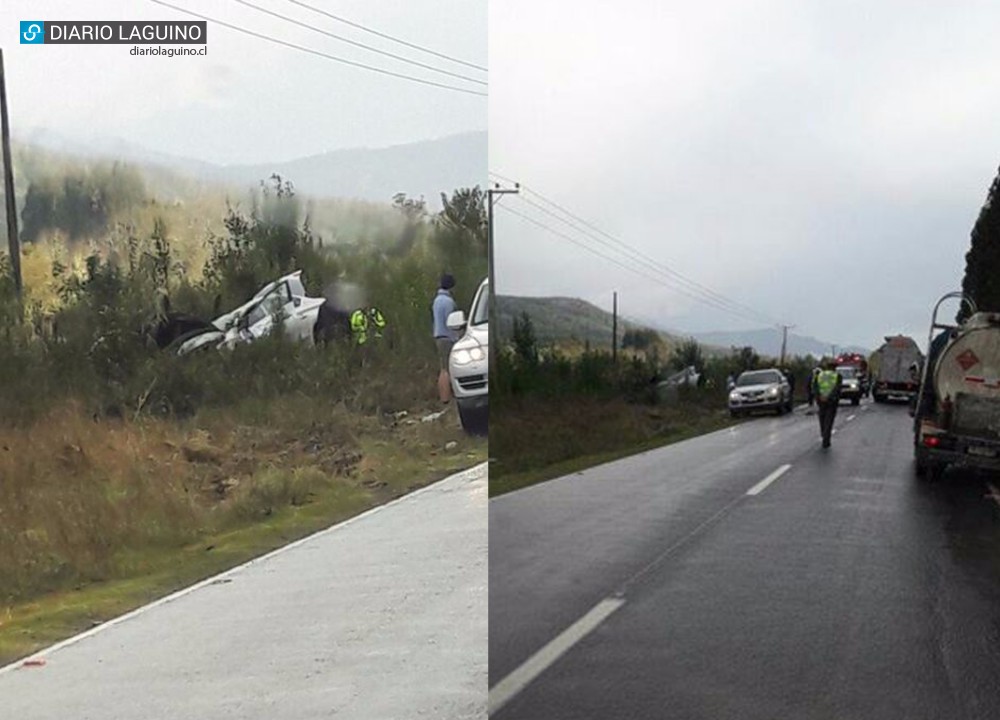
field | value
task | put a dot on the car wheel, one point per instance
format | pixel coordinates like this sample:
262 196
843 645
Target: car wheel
855 401
734 413
178 343
475 421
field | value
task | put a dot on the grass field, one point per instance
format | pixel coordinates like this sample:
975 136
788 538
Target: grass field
532 440
108 516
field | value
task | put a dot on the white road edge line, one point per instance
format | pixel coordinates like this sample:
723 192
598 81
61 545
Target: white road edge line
462 475
762 485
505 690
851 417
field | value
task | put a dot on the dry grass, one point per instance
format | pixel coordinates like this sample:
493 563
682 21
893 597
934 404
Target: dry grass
536 439
80 500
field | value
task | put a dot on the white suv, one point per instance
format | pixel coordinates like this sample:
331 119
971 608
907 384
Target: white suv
468 364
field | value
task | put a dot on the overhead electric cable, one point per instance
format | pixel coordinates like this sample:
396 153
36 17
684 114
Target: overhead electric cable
674 277
635 253
358 44
638 271
318 53
414 46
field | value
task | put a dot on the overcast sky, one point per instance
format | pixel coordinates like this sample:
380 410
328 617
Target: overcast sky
248 100
820 162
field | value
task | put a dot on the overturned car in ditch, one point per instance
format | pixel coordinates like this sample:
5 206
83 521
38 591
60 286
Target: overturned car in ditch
281 302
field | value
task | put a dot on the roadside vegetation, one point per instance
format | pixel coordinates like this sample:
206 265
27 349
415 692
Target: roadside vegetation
126 471
557 409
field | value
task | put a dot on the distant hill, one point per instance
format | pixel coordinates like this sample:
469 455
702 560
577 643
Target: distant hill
425 168
767 341
563 319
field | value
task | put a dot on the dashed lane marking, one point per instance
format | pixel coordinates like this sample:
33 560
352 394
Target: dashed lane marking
501 693
994 494
762 485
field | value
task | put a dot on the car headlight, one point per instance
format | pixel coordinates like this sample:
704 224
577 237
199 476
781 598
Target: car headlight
466 352
773 392
734 396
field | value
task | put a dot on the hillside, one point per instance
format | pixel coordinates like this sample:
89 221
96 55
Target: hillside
563 320
425 168
767 341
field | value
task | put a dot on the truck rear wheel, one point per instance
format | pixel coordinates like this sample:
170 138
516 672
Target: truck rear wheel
924 467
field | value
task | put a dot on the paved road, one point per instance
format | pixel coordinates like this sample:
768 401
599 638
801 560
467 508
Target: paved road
709 580
382 617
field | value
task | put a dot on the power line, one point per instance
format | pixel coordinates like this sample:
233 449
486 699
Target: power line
386 36
663 267
616 261
345 61
693 284
359 44
639 258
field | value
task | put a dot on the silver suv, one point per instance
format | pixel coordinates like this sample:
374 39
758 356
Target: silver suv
760 390
468 363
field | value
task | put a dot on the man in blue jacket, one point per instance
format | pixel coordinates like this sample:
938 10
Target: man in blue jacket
443 306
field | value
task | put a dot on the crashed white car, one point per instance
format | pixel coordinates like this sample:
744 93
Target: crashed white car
468 363
283 300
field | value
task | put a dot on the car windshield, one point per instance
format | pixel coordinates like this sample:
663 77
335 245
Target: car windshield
847 372
760 377
481 311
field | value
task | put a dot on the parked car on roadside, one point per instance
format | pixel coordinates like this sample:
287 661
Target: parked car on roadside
468 363
760 390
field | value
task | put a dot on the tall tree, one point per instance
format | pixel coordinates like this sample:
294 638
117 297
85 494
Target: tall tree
982 262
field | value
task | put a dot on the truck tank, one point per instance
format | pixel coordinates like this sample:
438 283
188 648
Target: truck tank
967 377
890 367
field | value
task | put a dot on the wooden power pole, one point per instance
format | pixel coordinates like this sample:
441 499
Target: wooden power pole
13 242
491 193
614 327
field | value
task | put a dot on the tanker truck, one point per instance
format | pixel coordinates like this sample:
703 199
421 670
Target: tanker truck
957 410
894 368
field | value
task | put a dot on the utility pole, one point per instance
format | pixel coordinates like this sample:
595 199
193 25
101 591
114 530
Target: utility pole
784 342
13 241
492 194
614 327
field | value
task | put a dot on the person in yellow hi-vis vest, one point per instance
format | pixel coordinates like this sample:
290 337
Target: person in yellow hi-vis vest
376 321
826 389
359 326
367 324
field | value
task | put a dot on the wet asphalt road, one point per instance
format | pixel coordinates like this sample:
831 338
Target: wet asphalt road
382 617
657 587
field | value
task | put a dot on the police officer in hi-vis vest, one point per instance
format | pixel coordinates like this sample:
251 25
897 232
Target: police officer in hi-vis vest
367 323
826 389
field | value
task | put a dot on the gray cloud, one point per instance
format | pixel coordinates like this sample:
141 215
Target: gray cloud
821 162
248 100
